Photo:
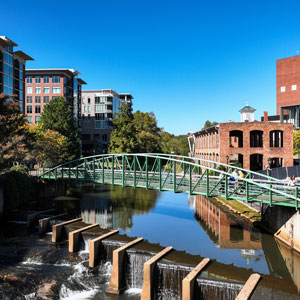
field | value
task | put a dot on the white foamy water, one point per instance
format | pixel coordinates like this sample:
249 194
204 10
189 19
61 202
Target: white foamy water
30 261
68 294
134 291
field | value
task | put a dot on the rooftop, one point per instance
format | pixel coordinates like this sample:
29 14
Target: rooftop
247 109
6 41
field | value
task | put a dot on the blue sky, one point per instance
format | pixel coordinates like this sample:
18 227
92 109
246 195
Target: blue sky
186 61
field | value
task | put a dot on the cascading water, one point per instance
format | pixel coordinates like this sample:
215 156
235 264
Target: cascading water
135 270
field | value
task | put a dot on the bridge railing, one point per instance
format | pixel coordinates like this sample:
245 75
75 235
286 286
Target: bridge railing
179 174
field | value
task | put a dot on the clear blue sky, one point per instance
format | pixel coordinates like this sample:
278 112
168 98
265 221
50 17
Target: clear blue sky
186 61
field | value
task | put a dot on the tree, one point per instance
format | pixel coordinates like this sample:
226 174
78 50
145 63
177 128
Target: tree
14 133
147 132
123 137
174 144
57 117
297 142
208 124
49 146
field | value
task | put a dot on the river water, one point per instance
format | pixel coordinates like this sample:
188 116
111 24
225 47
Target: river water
31 267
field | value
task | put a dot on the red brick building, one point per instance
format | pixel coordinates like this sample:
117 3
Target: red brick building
42 85
252 145
288 89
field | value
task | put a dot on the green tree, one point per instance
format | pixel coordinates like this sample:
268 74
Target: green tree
57 116
208 124
123 137
147 132
174 144
297 142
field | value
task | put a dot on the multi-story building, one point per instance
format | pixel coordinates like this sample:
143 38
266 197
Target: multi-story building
253 145
98 110
12 70
42 85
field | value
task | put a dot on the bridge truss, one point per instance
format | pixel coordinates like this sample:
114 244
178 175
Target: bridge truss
179 174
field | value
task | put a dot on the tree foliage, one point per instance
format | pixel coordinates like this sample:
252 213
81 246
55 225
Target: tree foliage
49 147
208 124
297 142
57 117
14 134
174 144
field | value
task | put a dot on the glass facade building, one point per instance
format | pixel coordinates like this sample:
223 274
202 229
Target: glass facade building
12 68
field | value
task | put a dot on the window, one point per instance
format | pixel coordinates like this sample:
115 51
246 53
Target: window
46 99
37 109
99 124
38 89
55 79
37 99
85 109
29 79
46 90
37 79
29 119
29 90
276 138
29 99
99 108
86 137
104 137
56 90
294 87
89 100
87 124
46 79
29 109
282 89
37 119
83 100
96 137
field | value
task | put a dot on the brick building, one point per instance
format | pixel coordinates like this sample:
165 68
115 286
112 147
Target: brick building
252 145
42 85
12 70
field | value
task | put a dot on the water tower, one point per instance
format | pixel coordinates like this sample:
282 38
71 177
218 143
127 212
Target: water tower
247 113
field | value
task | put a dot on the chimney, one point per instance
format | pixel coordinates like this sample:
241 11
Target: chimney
265 116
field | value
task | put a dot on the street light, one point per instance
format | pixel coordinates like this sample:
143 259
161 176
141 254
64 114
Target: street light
269 166
227 159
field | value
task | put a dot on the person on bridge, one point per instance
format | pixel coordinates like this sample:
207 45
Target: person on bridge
293 181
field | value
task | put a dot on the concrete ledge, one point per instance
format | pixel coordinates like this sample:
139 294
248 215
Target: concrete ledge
188 282
32 217
57 229
43 223
248 287
115 284
148 273
74 237
94 247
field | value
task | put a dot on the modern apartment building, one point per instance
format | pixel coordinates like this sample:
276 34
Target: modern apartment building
98 110
42 85
12 70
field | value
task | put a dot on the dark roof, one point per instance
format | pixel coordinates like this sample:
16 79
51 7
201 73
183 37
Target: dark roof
247 109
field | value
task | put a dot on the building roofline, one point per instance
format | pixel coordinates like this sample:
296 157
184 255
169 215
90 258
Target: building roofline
65 70
126 94
23 55
99 91
8 41
81 81
288 57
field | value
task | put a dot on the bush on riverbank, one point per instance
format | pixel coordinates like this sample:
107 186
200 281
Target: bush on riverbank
19 188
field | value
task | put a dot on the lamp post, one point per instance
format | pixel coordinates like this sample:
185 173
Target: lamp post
269 166
227 159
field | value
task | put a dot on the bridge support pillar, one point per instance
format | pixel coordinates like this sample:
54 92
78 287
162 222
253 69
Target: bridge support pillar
57 230
284 224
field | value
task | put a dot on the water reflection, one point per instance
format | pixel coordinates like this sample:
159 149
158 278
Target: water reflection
114 206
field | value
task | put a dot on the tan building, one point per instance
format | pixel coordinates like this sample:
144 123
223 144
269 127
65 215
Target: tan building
251 145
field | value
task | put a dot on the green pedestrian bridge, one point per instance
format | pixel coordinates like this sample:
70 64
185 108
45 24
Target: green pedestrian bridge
166 172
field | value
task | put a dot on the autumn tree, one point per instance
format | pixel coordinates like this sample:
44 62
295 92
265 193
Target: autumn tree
297 142
208 124
14 133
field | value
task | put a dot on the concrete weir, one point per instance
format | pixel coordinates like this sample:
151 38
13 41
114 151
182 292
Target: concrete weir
115 284
249 287
94 247
58 228
188 283
74 237
43 223
147 292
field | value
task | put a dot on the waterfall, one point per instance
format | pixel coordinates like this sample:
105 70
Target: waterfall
135 269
